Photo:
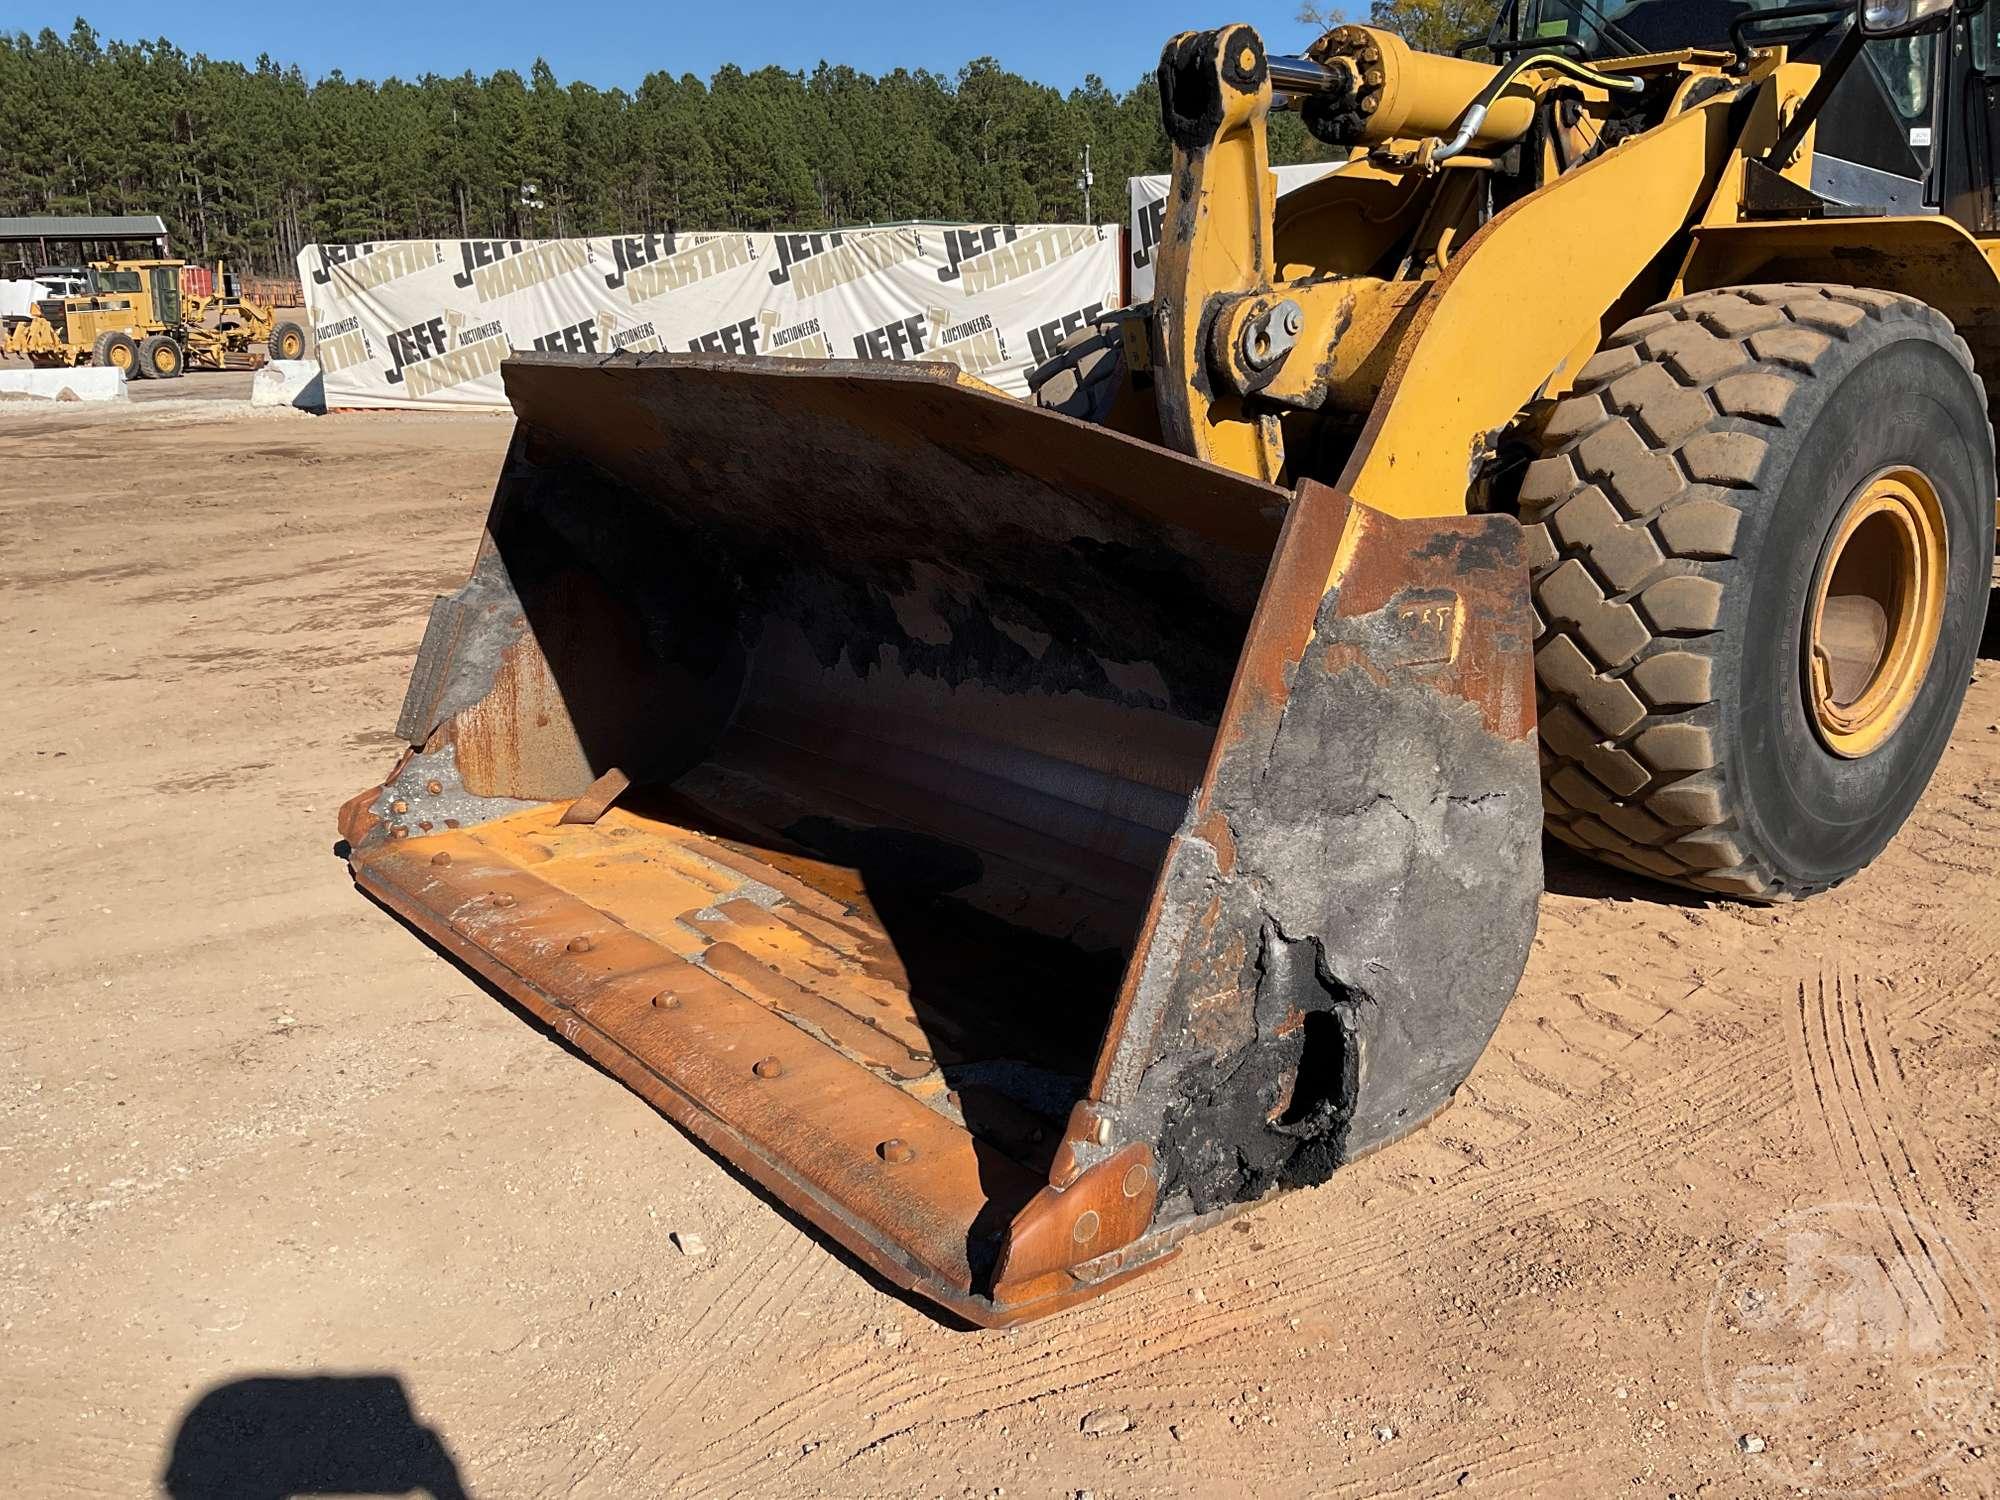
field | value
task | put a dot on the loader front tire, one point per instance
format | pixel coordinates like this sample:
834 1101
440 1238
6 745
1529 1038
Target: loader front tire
1761 537
1084 378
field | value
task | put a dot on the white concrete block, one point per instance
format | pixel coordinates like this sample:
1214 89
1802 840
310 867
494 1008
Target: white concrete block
84 383
290 382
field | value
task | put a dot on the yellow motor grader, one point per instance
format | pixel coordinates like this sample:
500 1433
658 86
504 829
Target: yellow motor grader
134 316
1018 835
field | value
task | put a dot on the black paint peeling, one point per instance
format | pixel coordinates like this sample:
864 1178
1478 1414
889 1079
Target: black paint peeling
1275 1114
1190 90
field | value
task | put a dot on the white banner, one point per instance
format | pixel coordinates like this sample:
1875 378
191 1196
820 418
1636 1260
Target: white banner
1149 204
412 323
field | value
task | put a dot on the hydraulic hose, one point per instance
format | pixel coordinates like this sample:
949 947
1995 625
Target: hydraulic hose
1475 112
1362 86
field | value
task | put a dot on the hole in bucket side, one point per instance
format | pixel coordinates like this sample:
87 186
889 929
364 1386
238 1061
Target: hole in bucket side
1322 1096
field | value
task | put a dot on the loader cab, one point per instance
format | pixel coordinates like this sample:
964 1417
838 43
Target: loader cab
1874 149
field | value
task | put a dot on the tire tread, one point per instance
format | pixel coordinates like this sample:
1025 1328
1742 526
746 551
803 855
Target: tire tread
1633 513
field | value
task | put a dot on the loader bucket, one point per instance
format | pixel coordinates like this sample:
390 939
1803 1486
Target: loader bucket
1010 843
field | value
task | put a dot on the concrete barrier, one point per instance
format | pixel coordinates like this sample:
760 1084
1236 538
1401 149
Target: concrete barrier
85 383
290 382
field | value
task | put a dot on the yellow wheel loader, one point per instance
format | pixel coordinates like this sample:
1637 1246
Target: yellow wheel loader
1018 835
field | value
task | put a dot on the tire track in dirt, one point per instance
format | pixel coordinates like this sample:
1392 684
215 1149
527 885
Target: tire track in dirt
1950 996
1584 1084
1526 1461
1590 1149
734 1321
1939 957
1851 1105
1054 1361
1290 1273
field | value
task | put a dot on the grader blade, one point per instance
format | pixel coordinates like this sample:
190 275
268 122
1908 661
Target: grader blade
1012 844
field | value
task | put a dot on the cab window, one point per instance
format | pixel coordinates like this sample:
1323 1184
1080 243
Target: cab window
1983 25
1904 65
1606 28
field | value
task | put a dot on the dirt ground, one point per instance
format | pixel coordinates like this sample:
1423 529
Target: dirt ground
292 1205
196 385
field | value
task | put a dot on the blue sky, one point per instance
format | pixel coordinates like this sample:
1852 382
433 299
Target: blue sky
618 44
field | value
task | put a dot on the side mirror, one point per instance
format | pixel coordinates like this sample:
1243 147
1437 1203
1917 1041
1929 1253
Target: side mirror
1886 18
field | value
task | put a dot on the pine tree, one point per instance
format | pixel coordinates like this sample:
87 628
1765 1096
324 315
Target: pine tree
253 162
1428 25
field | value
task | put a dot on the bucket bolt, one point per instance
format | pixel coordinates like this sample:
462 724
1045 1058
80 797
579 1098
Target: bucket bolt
1252 338
1270 336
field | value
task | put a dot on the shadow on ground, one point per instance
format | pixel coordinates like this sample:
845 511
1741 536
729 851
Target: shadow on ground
1989 638
274 1437
1565 872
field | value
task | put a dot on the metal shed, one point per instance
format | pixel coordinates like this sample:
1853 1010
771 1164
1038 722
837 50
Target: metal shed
54 239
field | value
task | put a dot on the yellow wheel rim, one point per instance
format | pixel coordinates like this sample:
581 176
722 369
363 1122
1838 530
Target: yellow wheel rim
1877 608
291 346
121 356
163 360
